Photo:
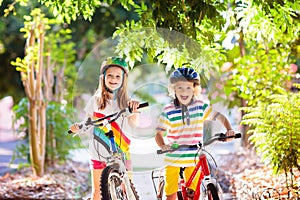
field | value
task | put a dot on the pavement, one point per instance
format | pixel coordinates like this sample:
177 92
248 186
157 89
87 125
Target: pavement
8 143
143 162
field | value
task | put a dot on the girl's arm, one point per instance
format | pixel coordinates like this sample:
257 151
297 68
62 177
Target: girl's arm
133 120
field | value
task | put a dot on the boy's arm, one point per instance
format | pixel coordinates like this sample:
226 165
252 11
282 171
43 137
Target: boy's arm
159 138
160 141
226 124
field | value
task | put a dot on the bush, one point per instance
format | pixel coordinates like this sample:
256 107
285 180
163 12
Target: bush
59 142
276 132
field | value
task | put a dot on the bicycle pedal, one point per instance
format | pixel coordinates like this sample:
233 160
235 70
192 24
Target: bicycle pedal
190 193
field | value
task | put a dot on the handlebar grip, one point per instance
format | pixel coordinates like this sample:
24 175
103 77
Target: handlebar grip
159 151
223 137
142 105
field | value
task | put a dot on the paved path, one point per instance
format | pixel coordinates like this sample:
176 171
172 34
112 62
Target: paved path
142 179
7 146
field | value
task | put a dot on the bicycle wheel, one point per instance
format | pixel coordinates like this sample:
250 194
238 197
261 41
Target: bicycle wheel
113 185
212 192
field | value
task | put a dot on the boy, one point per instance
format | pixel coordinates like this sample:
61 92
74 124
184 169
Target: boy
183 120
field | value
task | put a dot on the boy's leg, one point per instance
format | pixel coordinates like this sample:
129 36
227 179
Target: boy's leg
187 174
172 196
171 178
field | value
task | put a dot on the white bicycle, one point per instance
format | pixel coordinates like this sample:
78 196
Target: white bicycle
115 183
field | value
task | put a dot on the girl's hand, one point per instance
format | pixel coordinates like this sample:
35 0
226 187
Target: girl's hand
133 105
74 128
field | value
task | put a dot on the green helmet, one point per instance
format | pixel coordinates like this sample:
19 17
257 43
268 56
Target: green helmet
114 62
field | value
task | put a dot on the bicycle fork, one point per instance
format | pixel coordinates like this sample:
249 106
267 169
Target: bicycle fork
205 176
117 160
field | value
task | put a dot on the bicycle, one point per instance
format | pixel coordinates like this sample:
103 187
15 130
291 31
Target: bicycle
115 183
206 186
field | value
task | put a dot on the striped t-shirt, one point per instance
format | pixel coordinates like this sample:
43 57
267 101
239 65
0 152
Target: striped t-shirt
184 128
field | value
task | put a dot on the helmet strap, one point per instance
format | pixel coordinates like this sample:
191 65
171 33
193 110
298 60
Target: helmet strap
108 90
184 110
176 102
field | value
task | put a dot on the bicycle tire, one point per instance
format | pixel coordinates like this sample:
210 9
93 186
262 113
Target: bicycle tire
111 185
212 192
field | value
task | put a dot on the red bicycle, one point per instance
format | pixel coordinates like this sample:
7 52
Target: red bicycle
206 184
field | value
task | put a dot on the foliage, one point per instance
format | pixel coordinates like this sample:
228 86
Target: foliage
276 131
58 119
59 60
268 50
169 47
71 9
20 111
255 76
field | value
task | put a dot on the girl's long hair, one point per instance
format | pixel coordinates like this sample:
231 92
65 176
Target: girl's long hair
121 95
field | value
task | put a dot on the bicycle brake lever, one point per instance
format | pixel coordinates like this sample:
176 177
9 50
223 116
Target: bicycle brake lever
88 122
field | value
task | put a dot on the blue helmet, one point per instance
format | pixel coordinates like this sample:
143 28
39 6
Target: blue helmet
185 74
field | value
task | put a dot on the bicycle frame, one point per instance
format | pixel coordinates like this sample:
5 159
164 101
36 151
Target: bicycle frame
202 165
115 166
115 160
205 177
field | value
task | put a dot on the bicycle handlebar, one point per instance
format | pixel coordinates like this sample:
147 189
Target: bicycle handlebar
89 121
218 136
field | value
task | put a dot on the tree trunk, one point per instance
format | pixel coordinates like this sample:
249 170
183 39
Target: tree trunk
32 80
37 133
245 128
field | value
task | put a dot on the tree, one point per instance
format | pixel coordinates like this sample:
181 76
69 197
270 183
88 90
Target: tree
32 68
42 69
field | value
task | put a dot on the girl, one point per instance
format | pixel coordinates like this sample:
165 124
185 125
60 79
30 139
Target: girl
110 97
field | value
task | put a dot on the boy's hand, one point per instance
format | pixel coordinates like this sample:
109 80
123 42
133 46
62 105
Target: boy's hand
230 133
165 147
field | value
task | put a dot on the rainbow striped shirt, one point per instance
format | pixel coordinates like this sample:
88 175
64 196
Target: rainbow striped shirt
121 140
181 132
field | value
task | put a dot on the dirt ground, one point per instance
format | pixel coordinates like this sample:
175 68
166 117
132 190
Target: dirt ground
62 181
243 173
250 179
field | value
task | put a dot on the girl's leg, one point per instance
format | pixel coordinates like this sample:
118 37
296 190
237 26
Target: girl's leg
96 176
96 172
